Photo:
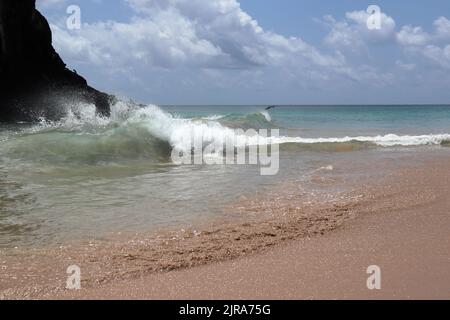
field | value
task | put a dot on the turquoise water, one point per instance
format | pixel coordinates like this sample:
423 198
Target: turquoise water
85 176
329 121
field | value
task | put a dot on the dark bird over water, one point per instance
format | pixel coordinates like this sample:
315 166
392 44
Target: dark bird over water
270 108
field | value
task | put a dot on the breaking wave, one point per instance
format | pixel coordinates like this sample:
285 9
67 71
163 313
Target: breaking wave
135 131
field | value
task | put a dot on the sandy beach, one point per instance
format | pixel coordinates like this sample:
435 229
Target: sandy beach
398 222
410 243
414 265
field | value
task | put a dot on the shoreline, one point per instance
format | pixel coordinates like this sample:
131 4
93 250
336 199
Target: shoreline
332 266
410 245
150 268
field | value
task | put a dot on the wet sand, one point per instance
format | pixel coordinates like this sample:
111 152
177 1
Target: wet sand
408 240
411 247
400 223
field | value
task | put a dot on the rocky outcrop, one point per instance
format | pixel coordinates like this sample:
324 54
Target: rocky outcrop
34 80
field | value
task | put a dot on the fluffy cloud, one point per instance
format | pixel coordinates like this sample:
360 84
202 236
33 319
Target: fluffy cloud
413 36
434 47
192 38
193 46
353 33
416 36
438 55
442 26
200 33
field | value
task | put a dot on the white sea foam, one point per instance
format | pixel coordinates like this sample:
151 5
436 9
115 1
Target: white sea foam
266 115
179 132
388 140
213 117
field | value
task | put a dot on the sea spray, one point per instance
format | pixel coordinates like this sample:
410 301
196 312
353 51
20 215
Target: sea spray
135 131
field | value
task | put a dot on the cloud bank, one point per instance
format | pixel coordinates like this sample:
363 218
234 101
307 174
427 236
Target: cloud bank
189 49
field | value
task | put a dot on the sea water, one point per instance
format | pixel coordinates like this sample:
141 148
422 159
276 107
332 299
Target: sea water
84 176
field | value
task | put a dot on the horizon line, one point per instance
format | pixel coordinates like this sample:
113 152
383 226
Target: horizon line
304 105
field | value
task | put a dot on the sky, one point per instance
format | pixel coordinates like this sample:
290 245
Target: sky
220 52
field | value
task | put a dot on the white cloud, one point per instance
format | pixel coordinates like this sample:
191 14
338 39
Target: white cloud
416 36
438 55
353 33
413 36
434 47
198 34
442 26
387 27
202 33
187 46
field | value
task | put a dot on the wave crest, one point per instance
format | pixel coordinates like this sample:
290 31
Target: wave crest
147 131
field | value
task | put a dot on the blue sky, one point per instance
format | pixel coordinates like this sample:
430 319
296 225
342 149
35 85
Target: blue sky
259 51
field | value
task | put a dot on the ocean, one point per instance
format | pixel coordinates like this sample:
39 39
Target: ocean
86 177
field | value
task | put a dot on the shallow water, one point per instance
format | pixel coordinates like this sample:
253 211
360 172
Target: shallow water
85 176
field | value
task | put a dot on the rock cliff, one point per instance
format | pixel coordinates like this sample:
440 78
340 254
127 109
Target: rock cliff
34 80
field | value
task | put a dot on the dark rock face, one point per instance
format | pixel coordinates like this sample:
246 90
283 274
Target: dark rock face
34 81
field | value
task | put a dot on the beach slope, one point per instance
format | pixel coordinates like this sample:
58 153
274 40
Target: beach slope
405 232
